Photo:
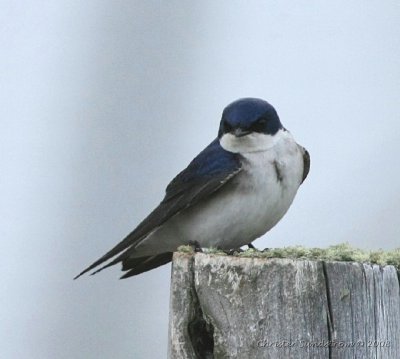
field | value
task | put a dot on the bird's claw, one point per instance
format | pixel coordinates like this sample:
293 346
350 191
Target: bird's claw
231 251
196 246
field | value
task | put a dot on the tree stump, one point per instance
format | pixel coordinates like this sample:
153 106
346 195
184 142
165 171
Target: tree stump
235 307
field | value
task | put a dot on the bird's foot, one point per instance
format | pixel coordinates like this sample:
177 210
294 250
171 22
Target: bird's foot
250 245
196 246
231 251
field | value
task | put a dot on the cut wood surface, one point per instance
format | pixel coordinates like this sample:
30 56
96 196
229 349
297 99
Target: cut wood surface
235 307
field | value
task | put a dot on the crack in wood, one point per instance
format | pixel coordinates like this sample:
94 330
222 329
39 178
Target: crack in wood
329 313
201 332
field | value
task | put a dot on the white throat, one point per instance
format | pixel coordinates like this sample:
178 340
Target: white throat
253 142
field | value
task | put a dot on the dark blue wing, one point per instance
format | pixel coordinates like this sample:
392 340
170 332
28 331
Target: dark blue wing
210 170
211 165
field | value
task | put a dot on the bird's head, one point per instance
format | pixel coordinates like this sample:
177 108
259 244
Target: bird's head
248 125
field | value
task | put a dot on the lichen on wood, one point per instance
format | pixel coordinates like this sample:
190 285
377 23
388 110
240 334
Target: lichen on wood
341 252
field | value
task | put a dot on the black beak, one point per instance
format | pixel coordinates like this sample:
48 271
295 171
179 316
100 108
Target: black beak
238 132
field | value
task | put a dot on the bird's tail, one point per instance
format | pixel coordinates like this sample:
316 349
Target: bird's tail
135 266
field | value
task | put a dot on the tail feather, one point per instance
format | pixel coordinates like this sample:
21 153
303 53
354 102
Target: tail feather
135 266
116 260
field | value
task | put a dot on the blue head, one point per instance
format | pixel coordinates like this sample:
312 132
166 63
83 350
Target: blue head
248 123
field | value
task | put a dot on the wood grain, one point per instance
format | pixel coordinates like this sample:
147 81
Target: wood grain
233 307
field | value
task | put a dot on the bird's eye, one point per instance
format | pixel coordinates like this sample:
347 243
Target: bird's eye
259 125
227 127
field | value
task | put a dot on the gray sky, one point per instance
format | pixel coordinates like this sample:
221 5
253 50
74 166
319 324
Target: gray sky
102 103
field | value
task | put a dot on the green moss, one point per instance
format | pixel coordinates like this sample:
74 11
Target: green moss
186 249
340 252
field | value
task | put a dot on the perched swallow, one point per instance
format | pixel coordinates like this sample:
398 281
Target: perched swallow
234 191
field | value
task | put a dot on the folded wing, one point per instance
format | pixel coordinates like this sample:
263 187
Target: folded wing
208 172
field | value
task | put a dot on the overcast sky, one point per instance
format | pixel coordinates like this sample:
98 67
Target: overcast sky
103 102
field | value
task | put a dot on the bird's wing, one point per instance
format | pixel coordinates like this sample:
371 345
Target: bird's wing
306 163
209 171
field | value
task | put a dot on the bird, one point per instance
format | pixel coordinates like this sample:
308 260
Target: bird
231 193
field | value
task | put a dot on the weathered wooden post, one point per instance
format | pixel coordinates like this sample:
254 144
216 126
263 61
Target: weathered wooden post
236 307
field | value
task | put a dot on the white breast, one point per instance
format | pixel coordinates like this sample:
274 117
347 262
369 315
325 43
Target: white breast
271 180
245 208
